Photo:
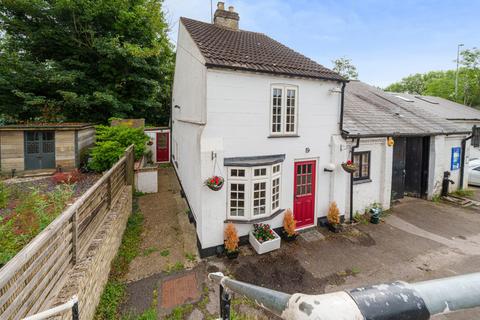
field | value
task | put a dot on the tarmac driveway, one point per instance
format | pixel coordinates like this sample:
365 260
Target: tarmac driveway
419 240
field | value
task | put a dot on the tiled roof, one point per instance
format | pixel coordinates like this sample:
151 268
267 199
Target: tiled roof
252 51
47 125
370 111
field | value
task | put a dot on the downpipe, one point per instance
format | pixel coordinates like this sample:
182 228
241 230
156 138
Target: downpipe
397 300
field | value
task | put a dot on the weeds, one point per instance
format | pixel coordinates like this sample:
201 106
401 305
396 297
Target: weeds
33 213
165 253
463 193
149 251
114 292
178 266
190 257
180 313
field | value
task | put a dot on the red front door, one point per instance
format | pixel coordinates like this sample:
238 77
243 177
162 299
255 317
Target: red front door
304 193
163 152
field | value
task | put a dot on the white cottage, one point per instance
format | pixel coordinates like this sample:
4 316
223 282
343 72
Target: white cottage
271 122
259 114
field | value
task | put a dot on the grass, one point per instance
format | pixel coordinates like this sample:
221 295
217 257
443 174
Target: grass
180 313
463 193
171 268
114 292
361 218
149 251
26 214
149 314
190 257
165 253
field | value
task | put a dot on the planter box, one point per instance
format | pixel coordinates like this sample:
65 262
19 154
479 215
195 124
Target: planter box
266 246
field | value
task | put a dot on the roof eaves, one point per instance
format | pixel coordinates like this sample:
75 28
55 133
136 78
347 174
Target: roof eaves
236 68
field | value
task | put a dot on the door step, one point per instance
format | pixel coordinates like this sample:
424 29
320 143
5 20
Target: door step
464 202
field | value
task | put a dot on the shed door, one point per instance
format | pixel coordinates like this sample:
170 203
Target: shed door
398 168
163 152
39 150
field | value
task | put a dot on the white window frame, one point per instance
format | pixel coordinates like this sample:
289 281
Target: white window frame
249 180
283 116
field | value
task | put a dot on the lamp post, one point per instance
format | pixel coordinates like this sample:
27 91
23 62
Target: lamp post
456 73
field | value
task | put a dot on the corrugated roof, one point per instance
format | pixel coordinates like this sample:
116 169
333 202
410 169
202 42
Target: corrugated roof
47 126
252 51
370 111
442 107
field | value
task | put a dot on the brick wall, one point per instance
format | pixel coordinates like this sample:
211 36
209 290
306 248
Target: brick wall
89 276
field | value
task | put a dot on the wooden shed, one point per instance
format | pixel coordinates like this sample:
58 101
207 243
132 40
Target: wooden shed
43 146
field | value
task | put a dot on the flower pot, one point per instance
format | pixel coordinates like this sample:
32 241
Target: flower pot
350 168
289 238
232 254
375 215
264 247
335 228
216 187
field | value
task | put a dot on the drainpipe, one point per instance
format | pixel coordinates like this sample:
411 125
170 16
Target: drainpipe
462 161
351 180
342 103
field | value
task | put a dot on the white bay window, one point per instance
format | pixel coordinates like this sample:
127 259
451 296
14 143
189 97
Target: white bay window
253 192
284 105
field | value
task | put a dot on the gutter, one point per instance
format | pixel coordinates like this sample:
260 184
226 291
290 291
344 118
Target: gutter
347 135
351 179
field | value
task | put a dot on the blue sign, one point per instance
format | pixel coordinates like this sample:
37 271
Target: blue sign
455 163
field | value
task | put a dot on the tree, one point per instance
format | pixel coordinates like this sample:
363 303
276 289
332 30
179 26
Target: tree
345 68
442 83
84 60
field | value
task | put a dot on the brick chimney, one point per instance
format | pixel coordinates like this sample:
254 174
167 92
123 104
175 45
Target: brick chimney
226 19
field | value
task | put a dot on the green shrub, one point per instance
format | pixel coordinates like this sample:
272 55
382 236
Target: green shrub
111 143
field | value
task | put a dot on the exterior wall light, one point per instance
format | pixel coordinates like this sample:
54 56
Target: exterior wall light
390 142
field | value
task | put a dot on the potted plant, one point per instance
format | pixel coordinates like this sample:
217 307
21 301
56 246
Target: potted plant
349 166
263 239
333 218
231 241
215 183
289 226
375 213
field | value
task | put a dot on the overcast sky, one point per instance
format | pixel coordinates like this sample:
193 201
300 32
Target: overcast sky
386 39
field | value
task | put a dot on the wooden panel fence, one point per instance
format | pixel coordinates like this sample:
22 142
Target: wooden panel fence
34 276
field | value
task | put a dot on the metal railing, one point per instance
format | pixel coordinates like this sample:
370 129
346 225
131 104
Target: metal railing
72 305
398 300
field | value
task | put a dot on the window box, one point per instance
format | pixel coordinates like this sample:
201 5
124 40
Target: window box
266 246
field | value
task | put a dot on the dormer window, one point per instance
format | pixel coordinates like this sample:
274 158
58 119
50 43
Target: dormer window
284 105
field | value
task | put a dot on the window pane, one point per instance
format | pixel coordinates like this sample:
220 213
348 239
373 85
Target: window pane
259 198
290 111
275 193
277 110
237 191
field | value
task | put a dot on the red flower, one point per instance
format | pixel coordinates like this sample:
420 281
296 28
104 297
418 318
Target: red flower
349 162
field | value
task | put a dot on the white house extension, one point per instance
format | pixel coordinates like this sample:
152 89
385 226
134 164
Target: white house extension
270 121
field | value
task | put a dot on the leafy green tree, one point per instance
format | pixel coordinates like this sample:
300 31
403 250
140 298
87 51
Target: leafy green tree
344 67
442 83
84 60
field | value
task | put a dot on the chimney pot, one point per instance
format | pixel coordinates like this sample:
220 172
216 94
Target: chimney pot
226 19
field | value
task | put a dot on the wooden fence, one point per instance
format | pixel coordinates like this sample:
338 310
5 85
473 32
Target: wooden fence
34 276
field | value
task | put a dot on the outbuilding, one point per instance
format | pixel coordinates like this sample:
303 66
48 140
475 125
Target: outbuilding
43 146
159 143
401 149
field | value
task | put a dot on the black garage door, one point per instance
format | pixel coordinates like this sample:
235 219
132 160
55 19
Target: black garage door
39 150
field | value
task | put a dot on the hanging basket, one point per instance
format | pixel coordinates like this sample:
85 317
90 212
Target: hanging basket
349 167
215 183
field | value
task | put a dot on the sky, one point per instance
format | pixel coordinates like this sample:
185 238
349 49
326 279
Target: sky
385 39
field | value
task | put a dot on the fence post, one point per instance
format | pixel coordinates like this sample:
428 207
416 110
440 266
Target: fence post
129 166
109 192
75 237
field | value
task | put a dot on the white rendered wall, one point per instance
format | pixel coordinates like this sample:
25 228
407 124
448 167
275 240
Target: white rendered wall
146 180
440 160
378 188
238 124
189 90
189 80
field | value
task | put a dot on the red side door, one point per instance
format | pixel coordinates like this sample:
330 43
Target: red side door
163 151
304 193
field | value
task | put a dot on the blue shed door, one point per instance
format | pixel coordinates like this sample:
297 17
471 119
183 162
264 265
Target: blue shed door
39 150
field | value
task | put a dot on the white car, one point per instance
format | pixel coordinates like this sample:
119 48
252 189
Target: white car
474 175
